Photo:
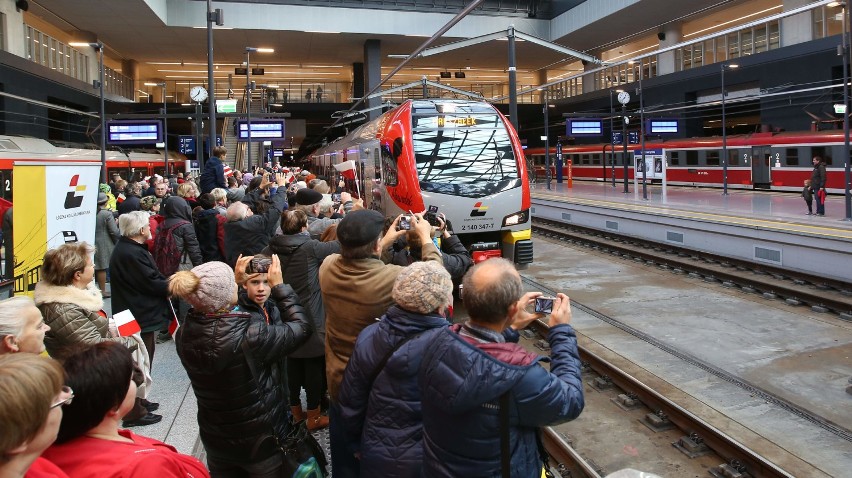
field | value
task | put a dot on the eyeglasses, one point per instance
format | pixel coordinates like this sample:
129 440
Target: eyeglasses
66 390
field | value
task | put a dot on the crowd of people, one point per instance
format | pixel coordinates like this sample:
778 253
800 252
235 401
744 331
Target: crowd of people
277 289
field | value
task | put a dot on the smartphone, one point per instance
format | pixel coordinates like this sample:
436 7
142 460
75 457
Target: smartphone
544 305
335 197
404 223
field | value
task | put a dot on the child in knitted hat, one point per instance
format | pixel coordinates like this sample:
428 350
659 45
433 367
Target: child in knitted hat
234 357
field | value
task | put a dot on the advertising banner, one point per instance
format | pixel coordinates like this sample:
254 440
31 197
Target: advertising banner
58 205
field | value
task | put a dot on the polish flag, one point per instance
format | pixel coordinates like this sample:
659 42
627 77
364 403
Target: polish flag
174 325
126 323
228 171
346 168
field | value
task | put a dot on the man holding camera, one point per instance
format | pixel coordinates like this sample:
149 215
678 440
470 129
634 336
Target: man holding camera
357 289
462 430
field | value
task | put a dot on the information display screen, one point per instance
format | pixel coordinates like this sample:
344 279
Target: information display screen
632 137
662 126
584 127
134 132
261 130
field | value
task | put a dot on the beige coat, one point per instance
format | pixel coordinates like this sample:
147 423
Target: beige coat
355 294
72 315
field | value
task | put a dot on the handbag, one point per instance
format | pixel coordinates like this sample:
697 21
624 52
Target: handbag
301 455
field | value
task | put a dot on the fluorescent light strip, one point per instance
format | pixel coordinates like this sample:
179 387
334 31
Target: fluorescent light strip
733 21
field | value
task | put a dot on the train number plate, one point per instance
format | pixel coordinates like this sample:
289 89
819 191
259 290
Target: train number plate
478 227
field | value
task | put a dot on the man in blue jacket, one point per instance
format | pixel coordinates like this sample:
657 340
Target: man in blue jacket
470 371
213 175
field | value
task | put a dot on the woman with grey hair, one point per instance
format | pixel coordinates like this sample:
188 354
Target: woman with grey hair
137 284
22 327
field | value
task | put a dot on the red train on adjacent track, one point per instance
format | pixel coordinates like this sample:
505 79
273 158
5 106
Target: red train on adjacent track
777 161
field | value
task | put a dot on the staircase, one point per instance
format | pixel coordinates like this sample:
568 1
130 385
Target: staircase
230 139
239 148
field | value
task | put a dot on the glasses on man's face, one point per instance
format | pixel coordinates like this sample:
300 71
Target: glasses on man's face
67 401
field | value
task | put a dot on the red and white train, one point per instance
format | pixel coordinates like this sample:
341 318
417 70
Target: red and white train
462 156
777 161
126 162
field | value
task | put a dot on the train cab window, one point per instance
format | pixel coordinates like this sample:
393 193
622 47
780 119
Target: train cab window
674 158
692 158
792 156
468 151
734 157
712 158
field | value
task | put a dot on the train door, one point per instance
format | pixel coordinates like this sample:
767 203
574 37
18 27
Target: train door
372 173
760 167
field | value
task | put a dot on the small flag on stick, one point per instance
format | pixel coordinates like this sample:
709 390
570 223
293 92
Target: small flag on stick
126 323
346 168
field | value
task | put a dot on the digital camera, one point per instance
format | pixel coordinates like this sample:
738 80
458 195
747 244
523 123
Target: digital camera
432 216
404 223
544 305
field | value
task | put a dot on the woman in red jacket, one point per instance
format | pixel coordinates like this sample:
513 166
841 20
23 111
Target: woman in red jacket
90 442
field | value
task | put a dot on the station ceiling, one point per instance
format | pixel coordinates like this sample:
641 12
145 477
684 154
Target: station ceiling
157 34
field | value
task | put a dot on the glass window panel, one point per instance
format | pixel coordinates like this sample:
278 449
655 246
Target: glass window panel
792 157
712 158
709 52
733 157
692 158
746 44
698 55
774 35
760 42
819 23
674 158
467 151
733 45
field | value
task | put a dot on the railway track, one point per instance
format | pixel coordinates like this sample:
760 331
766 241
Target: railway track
737 460
794 288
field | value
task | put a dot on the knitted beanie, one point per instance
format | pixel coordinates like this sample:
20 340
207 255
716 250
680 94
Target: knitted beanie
208 288
422 287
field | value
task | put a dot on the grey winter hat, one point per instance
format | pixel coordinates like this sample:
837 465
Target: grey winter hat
102 198
422 287
216 287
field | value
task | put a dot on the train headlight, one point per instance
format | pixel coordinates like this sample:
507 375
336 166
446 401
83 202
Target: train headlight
519 217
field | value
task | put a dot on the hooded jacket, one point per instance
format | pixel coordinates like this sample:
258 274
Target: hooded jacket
73 317
461 382
455 257
237 412
179 215
383 419
300 258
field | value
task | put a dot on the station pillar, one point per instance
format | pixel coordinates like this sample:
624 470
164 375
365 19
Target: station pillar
130 69
372 74
796 28
671 34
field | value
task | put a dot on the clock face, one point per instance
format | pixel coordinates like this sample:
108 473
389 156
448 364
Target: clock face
624 97
198 93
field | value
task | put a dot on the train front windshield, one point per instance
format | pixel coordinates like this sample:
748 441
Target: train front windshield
462 149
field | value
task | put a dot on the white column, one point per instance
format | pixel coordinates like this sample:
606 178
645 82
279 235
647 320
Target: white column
797 28
671 34
13 29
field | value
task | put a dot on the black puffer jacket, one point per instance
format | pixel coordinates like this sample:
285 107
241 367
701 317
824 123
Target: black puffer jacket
300 258
138 285
179 216
236 412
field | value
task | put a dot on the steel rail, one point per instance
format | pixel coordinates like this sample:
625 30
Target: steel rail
721 443
690 261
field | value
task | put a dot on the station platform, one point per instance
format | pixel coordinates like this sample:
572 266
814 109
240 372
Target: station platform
763 226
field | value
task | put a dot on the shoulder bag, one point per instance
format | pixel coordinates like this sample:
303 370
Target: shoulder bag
301 455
